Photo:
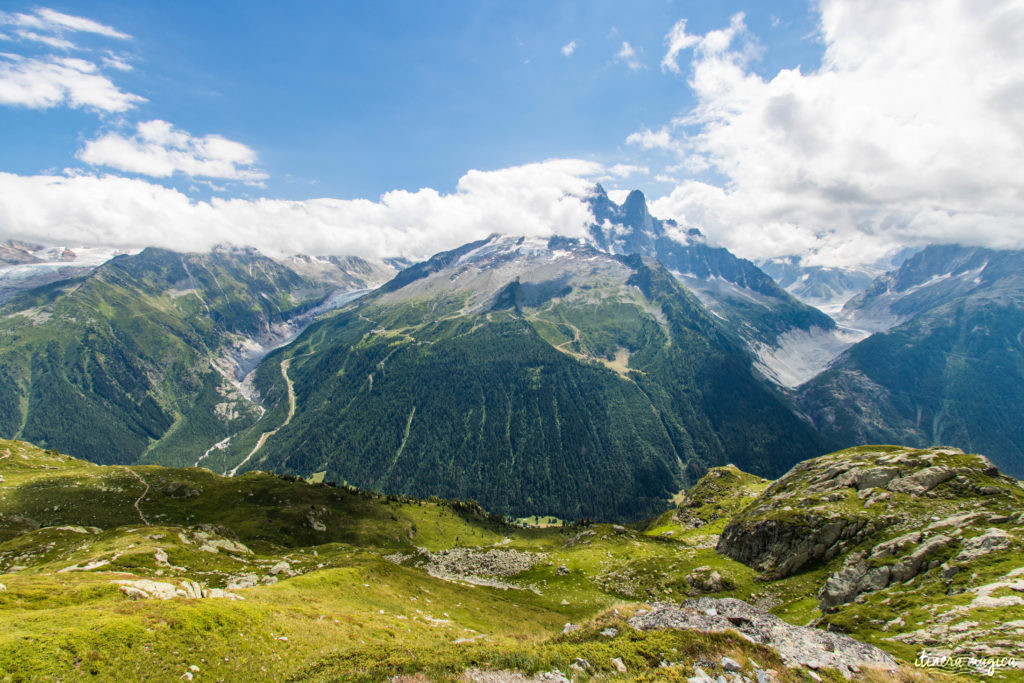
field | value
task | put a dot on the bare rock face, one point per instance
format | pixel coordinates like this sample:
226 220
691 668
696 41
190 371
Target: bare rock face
783 546
859 576
797 645
989 542
922 481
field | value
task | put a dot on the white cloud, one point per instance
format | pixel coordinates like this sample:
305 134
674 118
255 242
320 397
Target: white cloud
113 61
677 41
569 48
538 199
626 170
52 41
42 83
910 132
617 196
45 19
158 149
627 55
649 139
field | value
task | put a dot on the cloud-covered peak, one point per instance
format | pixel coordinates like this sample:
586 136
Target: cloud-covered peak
910 132
536 200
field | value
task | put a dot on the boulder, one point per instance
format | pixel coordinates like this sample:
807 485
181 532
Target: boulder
989 542
922 481
797 645
243 581
145 588
705 580
867 477
730 664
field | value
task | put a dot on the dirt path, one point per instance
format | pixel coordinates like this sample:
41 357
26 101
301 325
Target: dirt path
291 413
139 499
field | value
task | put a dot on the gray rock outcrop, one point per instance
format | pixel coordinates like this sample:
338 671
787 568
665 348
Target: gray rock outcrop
922 481
146 589
797 645
858 575
989 542
782 547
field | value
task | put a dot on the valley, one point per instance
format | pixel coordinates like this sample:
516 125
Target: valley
310 468
304 364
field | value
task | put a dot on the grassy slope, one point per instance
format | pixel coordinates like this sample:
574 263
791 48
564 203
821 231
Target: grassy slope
348 613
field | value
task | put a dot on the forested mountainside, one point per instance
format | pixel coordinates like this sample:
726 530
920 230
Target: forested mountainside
139 354
948 365
538 377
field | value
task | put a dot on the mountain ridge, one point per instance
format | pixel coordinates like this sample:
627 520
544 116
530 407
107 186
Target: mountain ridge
948 365
563 327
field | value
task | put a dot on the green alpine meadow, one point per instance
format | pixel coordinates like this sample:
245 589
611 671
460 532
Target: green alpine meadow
151 572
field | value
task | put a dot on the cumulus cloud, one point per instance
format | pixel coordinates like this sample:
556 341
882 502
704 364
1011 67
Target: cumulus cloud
538 199
910 132
621 172
43 83
649 139
627 55
159 150
569 48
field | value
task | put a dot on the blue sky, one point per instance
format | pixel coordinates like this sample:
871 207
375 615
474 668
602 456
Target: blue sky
355 99
838 130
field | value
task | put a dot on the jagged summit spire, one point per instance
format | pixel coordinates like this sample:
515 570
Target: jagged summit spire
636 197
635 208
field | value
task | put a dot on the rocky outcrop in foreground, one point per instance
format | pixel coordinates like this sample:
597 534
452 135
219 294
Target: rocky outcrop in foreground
146 589
798 646
827 506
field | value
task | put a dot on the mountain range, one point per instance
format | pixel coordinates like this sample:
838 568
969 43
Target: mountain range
138 357
590 377
946 364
